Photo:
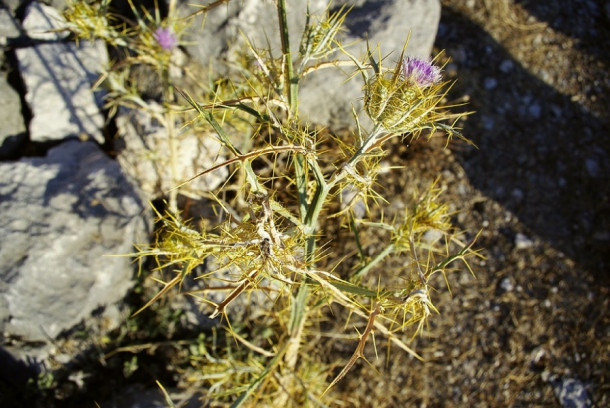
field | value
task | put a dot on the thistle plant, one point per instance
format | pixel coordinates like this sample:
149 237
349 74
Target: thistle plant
286 189
144 42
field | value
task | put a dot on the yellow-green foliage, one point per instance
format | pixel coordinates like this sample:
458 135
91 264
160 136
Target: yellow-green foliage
268 241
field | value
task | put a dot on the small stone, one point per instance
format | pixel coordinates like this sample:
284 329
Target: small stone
488 122
518 194
507 284
432 236
571 393
592 167
506 66
535 110
538 356
490 83
556 110
523 242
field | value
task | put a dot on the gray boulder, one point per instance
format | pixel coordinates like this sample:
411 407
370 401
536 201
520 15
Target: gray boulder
326 97
13 5
215 38
9 26
144 153
63 216
12 131
59 77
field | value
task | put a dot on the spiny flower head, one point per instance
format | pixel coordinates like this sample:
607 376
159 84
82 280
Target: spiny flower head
420 71
166 38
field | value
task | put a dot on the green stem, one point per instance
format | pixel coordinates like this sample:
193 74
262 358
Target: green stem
324 187
292 81
378 258
292 85
301 183
168 97
299 306
366 145
313 212
173 156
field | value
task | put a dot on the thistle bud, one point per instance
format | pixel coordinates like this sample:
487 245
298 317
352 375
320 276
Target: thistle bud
403 101
420 72
166 38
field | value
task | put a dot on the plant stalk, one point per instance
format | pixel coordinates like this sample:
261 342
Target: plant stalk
292 82
378 258
299 306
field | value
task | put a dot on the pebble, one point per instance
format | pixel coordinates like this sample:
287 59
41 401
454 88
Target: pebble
601 236
490 83
506 66
507 284
556 110
432 236
535 110
488 122
571 393
523 242
518 194
592 167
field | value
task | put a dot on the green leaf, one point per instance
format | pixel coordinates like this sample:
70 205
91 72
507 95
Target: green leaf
297 312
207 115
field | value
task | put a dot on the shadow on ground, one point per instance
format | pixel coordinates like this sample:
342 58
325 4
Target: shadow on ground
541 155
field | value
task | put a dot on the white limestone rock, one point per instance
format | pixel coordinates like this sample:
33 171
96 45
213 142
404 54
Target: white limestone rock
145 155
326 97
42 22
62 216
9 26
58 78
12 131
214 39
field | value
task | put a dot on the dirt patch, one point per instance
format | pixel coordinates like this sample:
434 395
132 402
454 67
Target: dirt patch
536 73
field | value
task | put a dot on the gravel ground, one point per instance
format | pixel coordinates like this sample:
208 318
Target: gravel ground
534 323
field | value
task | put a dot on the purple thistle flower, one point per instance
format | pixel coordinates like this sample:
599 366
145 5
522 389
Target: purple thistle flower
166 38
421 71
